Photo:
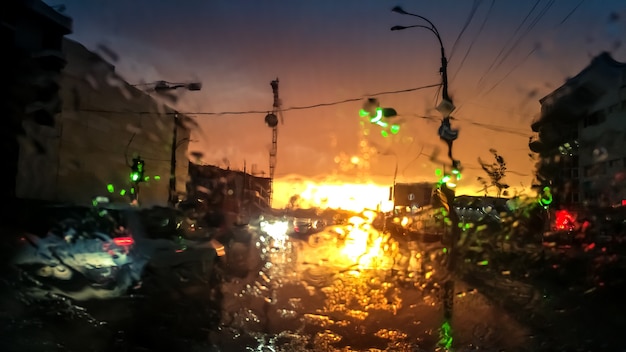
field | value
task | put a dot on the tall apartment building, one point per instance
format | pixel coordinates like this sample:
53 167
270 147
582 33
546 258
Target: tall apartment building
31 34
581 136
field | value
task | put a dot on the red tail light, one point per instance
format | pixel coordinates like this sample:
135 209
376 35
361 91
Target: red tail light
123 241
564 220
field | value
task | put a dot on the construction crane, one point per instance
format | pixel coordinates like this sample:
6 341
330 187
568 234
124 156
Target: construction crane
271 119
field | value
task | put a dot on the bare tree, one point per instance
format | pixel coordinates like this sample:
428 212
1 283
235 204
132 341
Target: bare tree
496 172
294 202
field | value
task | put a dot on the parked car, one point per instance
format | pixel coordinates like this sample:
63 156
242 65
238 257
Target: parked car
86 254
99 253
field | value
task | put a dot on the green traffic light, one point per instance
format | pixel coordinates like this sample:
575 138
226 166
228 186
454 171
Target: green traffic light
445 335
379 116
545 198
137 170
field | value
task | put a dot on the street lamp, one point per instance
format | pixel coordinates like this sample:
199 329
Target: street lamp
446 106
448 135
444 61
160 87
173 197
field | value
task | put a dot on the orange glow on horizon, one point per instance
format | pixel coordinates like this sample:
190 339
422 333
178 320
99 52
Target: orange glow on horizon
341 195
335 195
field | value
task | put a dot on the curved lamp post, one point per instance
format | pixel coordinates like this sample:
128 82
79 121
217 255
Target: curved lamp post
448 135
446 106
160 87
444 60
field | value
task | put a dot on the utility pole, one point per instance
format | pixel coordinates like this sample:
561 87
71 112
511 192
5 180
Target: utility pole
446 185
163 87
271 120
172 200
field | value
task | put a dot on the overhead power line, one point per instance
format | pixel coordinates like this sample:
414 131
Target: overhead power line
482 78
511 71
476 36
495 128
534 22
528 29
470 17
571 12
264 111
535 47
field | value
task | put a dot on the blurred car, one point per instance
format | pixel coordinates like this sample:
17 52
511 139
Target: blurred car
84 255
99 253
305 226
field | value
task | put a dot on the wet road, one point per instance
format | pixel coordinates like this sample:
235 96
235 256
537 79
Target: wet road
321 293
310 295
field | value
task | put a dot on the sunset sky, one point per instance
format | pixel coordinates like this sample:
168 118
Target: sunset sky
332 55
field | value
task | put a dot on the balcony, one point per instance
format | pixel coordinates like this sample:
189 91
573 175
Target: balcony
569 106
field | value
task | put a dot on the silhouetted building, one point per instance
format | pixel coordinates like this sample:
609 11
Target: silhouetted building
32 33
581 136
231 191
105 123
412 195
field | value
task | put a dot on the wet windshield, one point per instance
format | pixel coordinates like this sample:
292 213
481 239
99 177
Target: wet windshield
313 176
